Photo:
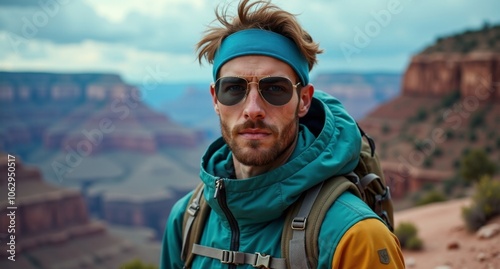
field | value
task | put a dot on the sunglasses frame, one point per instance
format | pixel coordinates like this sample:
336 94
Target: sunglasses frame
216 89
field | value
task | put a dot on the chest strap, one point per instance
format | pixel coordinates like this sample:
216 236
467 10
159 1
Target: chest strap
256 260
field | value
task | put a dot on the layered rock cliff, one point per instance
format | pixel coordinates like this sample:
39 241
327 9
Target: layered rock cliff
468 63
93 112
45 226
448 105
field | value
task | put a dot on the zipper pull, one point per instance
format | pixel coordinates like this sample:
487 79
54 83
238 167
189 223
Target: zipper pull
219 184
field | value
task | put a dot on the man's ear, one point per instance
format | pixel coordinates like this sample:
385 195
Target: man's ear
214 98
305 95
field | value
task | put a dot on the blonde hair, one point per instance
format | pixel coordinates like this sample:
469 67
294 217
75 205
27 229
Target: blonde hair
261 15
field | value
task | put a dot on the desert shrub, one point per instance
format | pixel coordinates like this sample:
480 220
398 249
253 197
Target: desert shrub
433 196
472 136
451 184
137 264
438 152
450 134
407 233
450 99
414 243
428 186
485 204
421 115
386 129
428 162
477 119
475 164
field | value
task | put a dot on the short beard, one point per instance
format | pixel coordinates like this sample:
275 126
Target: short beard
284 140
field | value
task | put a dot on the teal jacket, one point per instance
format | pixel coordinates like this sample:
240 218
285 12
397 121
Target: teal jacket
250 216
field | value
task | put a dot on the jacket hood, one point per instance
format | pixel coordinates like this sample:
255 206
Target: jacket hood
328 144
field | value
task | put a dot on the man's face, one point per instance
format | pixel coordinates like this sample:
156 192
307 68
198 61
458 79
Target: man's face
258 132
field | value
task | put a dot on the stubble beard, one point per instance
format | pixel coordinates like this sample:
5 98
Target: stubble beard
259 156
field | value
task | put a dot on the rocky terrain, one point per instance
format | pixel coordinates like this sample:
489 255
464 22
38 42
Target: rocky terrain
46 226
447 244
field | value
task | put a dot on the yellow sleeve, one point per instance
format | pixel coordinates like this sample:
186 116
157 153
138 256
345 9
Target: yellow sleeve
368 245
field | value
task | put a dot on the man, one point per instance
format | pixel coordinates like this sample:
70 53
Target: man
266 158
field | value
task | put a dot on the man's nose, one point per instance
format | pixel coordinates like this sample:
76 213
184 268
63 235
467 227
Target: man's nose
254 104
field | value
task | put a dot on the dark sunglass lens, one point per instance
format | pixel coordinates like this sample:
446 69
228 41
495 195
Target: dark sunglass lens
230 90
276 90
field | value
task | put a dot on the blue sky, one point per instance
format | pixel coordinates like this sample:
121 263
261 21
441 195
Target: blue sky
155 38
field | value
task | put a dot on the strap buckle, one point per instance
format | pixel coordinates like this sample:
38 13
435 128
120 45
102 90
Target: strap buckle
193 209
262 260
232 257
299 223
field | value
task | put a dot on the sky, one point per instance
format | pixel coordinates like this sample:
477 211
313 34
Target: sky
141 40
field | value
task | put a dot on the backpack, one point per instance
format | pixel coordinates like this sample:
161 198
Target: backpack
299 242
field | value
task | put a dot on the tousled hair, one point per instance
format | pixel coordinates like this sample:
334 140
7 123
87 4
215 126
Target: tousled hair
261 15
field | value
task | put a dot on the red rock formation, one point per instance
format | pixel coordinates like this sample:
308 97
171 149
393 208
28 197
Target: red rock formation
481 76
55 110
432 75
51 227
439 74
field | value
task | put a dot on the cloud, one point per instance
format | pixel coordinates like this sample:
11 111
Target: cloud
77 22
127 36
20 3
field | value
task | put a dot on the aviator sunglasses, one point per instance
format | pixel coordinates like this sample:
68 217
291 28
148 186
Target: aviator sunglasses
277 91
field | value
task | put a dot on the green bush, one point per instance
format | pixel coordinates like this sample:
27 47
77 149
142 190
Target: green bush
414 243
407 234
451 184
475 164
477 119
137 264
450 134
430 197
472 136
428 162
386 129
438 152
485 203
421 115
451 98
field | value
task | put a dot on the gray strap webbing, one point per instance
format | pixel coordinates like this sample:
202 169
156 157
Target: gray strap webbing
367 179
192 211
235 257
297 252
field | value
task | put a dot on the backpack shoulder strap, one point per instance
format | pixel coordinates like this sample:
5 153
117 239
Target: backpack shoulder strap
299 241
194 219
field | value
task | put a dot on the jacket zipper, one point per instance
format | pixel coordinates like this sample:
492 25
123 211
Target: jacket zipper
220 196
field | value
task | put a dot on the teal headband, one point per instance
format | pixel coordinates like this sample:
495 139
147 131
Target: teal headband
262 42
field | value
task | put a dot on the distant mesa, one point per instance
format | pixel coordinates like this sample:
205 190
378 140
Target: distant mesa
468 62
93 112
52 228
359 92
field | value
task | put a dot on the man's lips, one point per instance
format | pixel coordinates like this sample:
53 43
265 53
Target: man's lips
254 133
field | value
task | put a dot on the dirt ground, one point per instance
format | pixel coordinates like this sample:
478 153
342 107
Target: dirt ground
440 225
